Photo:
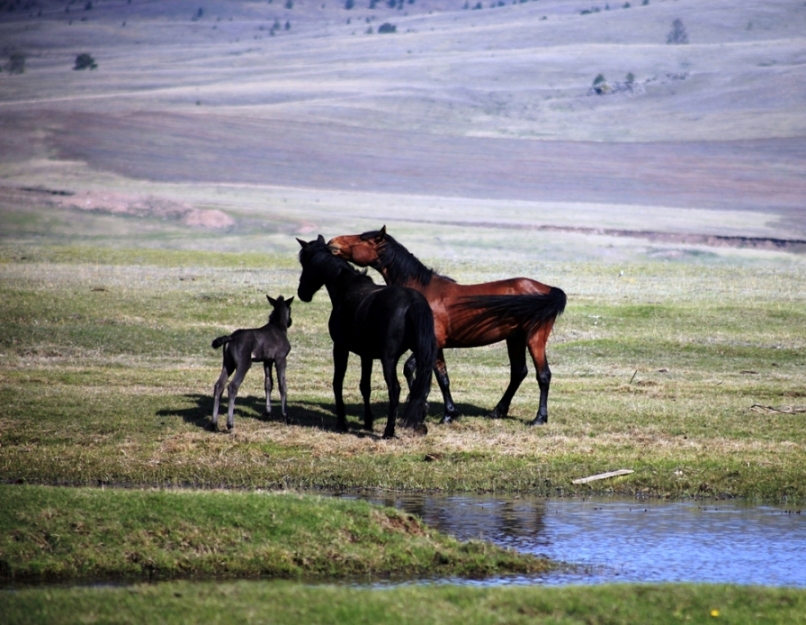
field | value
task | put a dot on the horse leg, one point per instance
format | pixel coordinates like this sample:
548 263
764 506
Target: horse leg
366 389
232 391
393 386
280 366
537 348
268 383
409 367
441 372
340 356
516 348
218 389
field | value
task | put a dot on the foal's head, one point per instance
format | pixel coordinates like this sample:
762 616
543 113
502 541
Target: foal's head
281 313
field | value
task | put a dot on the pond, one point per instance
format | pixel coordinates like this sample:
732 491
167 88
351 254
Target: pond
611 540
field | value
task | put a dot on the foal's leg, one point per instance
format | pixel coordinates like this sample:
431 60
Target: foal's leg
441 373
537 348
366 390
232 391
218 389
280 365
390 375
340 356
516 348
268 383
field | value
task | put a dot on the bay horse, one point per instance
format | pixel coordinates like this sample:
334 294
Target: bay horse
377 323
268 344
520 311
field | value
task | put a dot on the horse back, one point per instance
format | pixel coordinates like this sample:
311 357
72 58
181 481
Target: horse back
377 320
264 344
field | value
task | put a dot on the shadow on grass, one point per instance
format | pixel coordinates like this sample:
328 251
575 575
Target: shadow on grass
320 415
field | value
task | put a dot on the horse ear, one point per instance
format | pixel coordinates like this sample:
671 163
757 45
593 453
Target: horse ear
381 234
272 301
302 244
289 300
320 239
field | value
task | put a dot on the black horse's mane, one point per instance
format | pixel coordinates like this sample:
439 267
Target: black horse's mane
400 265
325 263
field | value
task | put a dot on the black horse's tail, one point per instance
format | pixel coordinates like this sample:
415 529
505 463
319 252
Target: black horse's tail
421 319
531 310
221 340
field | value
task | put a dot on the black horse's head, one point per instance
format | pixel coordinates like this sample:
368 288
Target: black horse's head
318 266
281 313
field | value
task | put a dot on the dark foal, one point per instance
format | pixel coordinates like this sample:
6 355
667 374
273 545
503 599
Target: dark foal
268 345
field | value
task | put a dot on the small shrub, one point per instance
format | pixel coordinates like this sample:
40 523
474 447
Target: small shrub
678 34
85 61
16 62
600 85
386 27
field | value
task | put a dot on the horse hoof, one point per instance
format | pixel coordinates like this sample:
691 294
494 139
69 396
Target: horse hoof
538 421
421 430
448 419
212 427
496 414
388 435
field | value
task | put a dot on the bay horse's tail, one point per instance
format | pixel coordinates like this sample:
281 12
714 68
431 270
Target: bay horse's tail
530 310
221 340
421 321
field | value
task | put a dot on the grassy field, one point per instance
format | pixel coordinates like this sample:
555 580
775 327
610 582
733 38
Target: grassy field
689 373
148 205
254 602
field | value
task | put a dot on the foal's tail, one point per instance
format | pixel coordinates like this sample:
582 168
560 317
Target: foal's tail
421 320
221 340
529 311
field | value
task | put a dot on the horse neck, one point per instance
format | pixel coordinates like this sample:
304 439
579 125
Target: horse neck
278 320
343 282
399 266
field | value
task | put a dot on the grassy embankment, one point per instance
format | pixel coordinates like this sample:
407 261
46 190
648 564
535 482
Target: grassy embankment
65 534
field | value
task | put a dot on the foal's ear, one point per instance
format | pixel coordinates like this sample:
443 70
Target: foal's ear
272 301
302 244
288 301
381 234
320 239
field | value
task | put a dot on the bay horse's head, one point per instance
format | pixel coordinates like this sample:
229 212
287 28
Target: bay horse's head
319 265
362 249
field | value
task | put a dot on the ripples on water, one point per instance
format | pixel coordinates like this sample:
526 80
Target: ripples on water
628 541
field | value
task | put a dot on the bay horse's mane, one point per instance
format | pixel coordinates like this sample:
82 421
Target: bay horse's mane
400 265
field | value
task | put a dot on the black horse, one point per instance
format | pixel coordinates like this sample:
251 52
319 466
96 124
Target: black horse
374 322
268 345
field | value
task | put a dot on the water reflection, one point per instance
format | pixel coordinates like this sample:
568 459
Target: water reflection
629 541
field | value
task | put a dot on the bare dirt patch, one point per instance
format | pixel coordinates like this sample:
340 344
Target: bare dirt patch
113 203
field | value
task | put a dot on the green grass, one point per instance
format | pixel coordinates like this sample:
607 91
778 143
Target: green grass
106 375
256 602
57 534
